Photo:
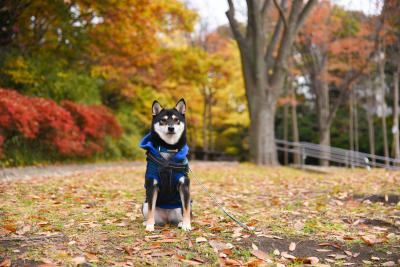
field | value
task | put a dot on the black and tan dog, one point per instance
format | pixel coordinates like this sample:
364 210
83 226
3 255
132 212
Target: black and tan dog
166 179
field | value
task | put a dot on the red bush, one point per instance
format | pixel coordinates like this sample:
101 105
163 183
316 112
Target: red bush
96 122
57 127
17 114
71 129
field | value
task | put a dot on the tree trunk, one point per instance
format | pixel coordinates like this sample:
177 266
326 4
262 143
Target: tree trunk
322 99
351 128
285 132
381 67
264 53
355 110
295 127
385 139
210 126
371 135
396 112
262 132
205 109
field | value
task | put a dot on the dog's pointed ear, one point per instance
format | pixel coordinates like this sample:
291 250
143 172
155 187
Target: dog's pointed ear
156 108
181 106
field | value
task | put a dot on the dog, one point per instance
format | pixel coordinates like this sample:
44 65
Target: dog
166 180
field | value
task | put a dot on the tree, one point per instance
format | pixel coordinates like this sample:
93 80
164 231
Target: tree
264 50
335 47
391 36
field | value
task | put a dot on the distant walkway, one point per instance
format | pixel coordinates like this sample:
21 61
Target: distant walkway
60 170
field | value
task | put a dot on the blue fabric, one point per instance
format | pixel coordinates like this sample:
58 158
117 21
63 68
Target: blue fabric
153 172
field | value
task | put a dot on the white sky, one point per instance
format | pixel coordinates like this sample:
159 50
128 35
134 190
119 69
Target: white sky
212 12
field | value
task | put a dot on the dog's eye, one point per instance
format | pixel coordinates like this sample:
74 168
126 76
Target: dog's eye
176 120
163 120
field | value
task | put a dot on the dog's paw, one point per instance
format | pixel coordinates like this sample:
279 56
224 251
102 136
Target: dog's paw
149 227
186 226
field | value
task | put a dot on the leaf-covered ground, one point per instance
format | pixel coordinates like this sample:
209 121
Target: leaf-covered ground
345 217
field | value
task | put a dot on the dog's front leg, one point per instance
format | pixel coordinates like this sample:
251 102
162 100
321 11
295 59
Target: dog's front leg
151 199
184 192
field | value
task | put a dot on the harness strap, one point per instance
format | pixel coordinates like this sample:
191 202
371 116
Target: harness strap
167 164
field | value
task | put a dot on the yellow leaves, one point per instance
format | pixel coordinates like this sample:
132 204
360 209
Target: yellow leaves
18 69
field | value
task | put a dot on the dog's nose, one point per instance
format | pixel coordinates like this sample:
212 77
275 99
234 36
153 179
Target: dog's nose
171 129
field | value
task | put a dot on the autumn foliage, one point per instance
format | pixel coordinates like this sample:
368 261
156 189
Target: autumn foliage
71 129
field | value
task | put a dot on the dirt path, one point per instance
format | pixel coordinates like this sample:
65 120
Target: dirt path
60 170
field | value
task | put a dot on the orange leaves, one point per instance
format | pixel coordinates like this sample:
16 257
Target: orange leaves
128 41
335 42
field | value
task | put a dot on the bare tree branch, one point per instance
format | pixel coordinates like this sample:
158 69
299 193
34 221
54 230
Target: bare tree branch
234 24
281 13
272 44
304 13
265 7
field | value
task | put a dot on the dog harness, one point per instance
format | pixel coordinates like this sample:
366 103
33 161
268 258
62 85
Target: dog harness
166 172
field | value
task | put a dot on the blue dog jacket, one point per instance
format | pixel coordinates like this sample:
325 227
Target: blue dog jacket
168 196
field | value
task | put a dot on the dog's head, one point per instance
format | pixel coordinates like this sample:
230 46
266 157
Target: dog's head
169 125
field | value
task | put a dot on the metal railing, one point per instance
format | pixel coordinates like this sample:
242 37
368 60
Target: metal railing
339 156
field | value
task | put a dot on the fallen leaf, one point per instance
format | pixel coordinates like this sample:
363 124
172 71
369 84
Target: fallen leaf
191 262
10 227
201 239
25 229
162 253
326 244
232 262
128 250
153 236
292 246
340 257
280 265
5 263
78 260
348 253
301 260
298 225
254 246
375 258
218 246
168 240
254 263
323 250
389 263
314 260
287 255
261 255
371 240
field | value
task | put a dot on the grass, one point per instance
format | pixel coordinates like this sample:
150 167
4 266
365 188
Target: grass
97 214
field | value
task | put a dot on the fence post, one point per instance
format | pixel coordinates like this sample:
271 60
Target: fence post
367 163
303 157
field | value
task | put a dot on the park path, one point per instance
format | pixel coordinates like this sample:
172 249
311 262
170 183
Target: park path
60 170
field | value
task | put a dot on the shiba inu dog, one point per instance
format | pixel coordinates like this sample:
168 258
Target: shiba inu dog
166 180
